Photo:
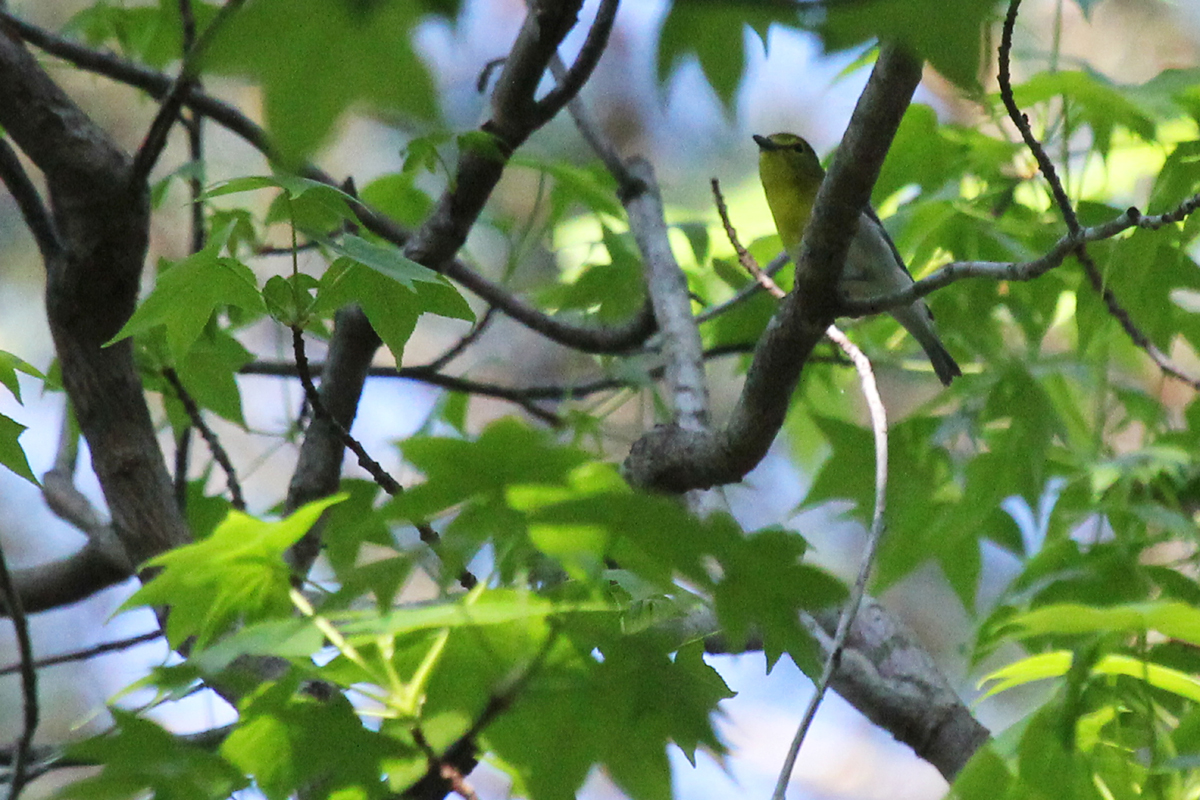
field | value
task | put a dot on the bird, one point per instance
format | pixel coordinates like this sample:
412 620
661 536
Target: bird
791 174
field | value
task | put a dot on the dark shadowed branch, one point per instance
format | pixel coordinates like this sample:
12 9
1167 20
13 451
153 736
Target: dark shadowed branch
588 338
438 239
209 436
88 652
33 210
29 698
92 286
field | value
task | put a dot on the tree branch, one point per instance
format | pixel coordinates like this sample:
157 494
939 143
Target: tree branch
672 459
588 338
573 79
33 211
91 290
29 698
436 242
209 436
1074 229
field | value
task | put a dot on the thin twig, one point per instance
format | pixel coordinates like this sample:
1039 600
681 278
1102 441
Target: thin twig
747 261
743 294
589 131
579 72
33 210
373 467
879 426
1022 121
29 698
1118 312
1074 229
210 438
194 124
523 396
183 448
156 137
462 344
90 652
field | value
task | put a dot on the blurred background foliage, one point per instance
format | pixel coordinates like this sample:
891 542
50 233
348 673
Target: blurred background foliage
1042 510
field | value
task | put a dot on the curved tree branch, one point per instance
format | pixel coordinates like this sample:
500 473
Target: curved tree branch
672 459
91 289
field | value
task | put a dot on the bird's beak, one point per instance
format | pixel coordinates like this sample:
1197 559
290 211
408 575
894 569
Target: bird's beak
764 143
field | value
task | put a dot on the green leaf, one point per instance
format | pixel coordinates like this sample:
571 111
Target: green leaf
397 196
591 186
646 700
187 294
494 607
152 35
391 308
614 290
236 574
316 58
292 639
1095 101
984 777
1172 619
209 373
715 33
952 43
506 452
10 365
353 523
139 756
763 590
1058 663
923 152
12 455
287 740
386 260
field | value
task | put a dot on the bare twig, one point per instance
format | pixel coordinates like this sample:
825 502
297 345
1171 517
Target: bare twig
195 133
846 620
1002 270
210 438
373 467
33 210
422 374
743 294
183 448
523 396
589 55
87 653
462 344
1074 229
156 137
591 134
747 261
1022 121
29 698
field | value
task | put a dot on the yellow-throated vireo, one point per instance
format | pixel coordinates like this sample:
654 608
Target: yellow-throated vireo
791 175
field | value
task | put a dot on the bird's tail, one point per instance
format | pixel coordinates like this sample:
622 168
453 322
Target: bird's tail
919 322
